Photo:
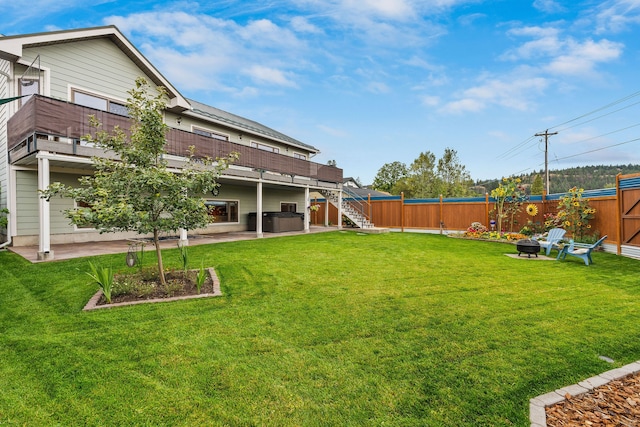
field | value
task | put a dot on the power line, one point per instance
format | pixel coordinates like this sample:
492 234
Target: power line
598 149
518 148
633 95
599 117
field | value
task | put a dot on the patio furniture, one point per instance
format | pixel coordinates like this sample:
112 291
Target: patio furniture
554 237
580 250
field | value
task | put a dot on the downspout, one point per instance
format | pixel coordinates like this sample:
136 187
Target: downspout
8 242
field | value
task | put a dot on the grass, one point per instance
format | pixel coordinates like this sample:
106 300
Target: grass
326 329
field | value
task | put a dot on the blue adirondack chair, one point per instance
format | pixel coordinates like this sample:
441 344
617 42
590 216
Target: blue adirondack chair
580 250
554 237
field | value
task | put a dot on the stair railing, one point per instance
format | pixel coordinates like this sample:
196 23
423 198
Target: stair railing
358 203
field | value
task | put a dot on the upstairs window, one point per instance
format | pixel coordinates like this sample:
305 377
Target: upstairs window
299 156
210 134
265 147
99 103
28 87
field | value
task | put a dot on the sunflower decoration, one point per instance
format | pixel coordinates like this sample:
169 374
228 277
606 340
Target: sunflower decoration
532 209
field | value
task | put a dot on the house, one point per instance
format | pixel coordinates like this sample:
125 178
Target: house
62 77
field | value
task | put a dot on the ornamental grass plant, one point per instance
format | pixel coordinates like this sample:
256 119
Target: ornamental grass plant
338 328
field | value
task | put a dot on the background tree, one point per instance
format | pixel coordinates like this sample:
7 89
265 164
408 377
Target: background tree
388 175
454 180
537 188
139 193
421 180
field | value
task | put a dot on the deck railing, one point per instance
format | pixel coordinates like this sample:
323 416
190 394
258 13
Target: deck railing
63 121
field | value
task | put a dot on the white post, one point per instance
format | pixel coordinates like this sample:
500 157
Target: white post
340 210
44 239
184 239
259 211
307 210
326 211
12 202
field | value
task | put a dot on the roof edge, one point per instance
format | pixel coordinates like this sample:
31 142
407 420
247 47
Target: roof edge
11 48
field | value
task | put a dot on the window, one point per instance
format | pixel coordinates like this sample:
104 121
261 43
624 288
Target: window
86 226
100 103
210 134
265 147
222 210
288 207
299 156
28 87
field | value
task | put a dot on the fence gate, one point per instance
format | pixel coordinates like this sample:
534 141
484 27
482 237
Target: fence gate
628 189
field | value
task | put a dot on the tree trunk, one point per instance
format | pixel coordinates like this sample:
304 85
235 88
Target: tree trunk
156 241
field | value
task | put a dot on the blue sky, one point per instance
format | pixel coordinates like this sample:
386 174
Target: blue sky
370 82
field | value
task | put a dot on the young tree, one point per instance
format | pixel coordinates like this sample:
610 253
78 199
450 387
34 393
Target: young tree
138 192
454 179
388 175
422 179
537 188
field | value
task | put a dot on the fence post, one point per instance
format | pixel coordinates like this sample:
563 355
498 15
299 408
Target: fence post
619 215
402 211
486 207
441 218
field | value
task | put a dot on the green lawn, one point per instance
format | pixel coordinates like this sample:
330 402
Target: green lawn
327 329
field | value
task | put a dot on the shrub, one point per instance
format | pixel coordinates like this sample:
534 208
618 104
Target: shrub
201 277
103 276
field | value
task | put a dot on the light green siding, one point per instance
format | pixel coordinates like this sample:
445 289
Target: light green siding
27 203
95 65
247 199
59 223
28 199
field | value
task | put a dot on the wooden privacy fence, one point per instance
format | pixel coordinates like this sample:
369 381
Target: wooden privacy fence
617 213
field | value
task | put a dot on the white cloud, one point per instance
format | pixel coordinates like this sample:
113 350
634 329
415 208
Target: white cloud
617 15
390 9
549 6
430 101
265 33
200 52
565 56
546 42
581 58
302 25
378 87
262 74
508 93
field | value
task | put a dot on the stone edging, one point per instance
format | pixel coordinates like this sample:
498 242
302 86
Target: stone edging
537 413
92 304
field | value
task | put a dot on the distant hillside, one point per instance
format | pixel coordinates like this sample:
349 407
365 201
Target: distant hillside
560 180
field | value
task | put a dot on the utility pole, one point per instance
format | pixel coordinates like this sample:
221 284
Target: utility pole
546 135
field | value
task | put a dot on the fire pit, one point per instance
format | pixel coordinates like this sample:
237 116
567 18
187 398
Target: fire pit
528 246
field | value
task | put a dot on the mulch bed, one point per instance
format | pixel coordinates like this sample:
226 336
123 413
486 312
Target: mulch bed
147 289
615 404
178 285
